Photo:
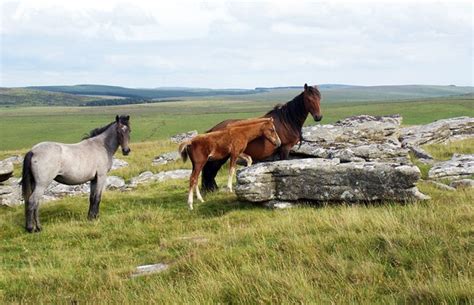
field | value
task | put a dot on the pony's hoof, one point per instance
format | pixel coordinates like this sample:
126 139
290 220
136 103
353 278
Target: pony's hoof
201 200
30 230
92 216
38 229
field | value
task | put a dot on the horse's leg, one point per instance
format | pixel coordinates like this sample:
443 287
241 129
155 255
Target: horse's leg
285 152
97 186
198 193
232 164
209 173
193 181
247 158
32 209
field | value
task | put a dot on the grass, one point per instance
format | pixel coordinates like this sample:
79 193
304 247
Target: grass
21 128
446 151
231 252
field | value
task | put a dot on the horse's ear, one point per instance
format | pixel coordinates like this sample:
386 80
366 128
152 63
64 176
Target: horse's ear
117 118
305 87
127 118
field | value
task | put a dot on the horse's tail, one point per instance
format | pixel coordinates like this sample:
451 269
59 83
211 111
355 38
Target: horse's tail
183 150
27 179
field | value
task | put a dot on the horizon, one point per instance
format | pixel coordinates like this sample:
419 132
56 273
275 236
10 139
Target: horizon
236 88
229 44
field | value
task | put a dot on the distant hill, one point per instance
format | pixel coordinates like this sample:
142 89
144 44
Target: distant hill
157 93
100 95
31 97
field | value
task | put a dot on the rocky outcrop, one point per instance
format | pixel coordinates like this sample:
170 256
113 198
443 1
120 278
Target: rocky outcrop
463 183
324 180
6 170
438 132
118 163
166 158
183 136
10 192
355 139
147 177
460 166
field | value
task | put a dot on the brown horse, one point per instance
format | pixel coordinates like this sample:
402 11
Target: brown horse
288 118
229 142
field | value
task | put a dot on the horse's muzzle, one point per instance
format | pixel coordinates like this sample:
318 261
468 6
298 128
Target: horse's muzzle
318 118
126 151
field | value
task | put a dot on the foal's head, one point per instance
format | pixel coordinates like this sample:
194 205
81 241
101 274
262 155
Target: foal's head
123 132
270 133
312 101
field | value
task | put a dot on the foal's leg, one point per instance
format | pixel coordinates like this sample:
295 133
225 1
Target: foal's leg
198 193
193 183
247 158
232 164
97 186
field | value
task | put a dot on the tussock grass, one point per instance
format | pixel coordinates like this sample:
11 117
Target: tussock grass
446 150
230 252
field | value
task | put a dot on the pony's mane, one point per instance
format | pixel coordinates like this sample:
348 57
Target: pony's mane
97 131
293 112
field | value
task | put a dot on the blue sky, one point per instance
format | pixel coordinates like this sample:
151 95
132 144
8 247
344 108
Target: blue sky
235 44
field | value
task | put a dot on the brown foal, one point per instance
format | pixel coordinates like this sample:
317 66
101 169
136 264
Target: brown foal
217 145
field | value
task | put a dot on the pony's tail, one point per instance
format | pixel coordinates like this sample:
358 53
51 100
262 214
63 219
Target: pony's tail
183 150
27 179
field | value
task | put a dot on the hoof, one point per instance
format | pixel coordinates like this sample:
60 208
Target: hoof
30 230
92 217
38 229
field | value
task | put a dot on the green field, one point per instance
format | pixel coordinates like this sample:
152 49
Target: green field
226 251
23 127
230 252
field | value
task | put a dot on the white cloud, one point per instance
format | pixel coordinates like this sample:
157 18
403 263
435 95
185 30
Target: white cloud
235 44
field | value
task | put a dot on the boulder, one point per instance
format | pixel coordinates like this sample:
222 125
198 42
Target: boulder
459 166
166 158
438 132
183 136
355 139
118 163
10 192
58 190
6 170
463 183
115 183
16 159
147 177
324 180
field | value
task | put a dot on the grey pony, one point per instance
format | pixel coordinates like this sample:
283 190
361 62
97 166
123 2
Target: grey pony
72 164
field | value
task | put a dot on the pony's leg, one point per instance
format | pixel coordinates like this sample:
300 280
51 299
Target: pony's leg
198 193
247 158
193 181
32 209
233 161
285 152
97 186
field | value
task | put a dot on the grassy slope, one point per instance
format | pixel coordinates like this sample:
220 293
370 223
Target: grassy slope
28 97
50 95
229 252
24 127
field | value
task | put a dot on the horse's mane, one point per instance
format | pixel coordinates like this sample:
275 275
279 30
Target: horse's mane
124 119
293 113
97 131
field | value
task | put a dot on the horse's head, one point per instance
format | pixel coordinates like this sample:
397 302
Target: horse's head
123 132
269 132
312 102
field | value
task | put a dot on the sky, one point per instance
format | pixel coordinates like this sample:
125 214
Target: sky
235 44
